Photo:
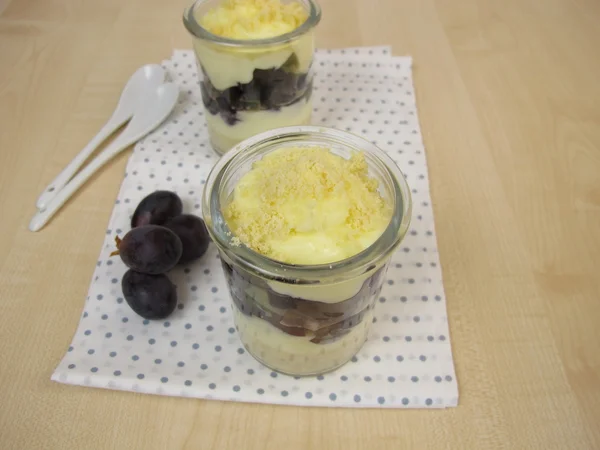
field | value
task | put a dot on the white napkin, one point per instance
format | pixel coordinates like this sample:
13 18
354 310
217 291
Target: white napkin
407 360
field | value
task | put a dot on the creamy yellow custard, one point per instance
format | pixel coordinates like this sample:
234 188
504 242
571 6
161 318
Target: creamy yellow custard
308 206
224 135
295 354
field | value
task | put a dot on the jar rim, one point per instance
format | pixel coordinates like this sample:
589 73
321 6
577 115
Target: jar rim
271 269
195 29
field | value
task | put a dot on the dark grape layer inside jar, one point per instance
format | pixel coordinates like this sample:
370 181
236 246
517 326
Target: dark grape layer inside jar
312 323
269 90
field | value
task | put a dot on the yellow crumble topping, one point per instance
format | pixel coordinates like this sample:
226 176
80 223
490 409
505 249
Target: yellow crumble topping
307 206
253 19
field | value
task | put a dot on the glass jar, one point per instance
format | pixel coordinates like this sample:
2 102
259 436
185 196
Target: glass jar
304 319
251 86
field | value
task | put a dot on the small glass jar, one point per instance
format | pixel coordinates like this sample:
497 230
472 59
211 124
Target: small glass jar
304 319
251 86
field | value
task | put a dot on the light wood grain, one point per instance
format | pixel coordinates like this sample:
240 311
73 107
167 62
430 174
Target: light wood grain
509 103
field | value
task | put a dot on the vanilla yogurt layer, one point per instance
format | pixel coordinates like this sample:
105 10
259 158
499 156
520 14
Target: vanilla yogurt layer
297 354
224 135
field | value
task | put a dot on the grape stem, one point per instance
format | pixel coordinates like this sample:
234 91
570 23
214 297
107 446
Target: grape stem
118 243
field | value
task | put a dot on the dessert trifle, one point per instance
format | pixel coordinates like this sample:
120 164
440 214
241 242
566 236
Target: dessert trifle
254 61
305 219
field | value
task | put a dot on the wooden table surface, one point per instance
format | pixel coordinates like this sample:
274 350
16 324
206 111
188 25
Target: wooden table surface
509 103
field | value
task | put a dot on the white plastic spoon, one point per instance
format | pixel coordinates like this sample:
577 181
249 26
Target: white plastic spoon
150 113
145 79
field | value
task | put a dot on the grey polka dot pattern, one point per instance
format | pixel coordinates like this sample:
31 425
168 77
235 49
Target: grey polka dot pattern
196 352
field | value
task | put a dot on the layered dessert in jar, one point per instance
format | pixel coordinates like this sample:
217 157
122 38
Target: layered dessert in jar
305 224
254 61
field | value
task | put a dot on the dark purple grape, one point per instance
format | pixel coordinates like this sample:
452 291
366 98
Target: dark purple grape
226 111
209 103
249 99
301 81
232 96
156 209
193 234
223 102
229 117
150 296
278 88
150 249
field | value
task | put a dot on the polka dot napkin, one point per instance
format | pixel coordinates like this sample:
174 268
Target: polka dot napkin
407 360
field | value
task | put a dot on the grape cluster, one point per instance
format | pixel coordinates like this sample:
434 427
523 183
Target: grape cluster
161 237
